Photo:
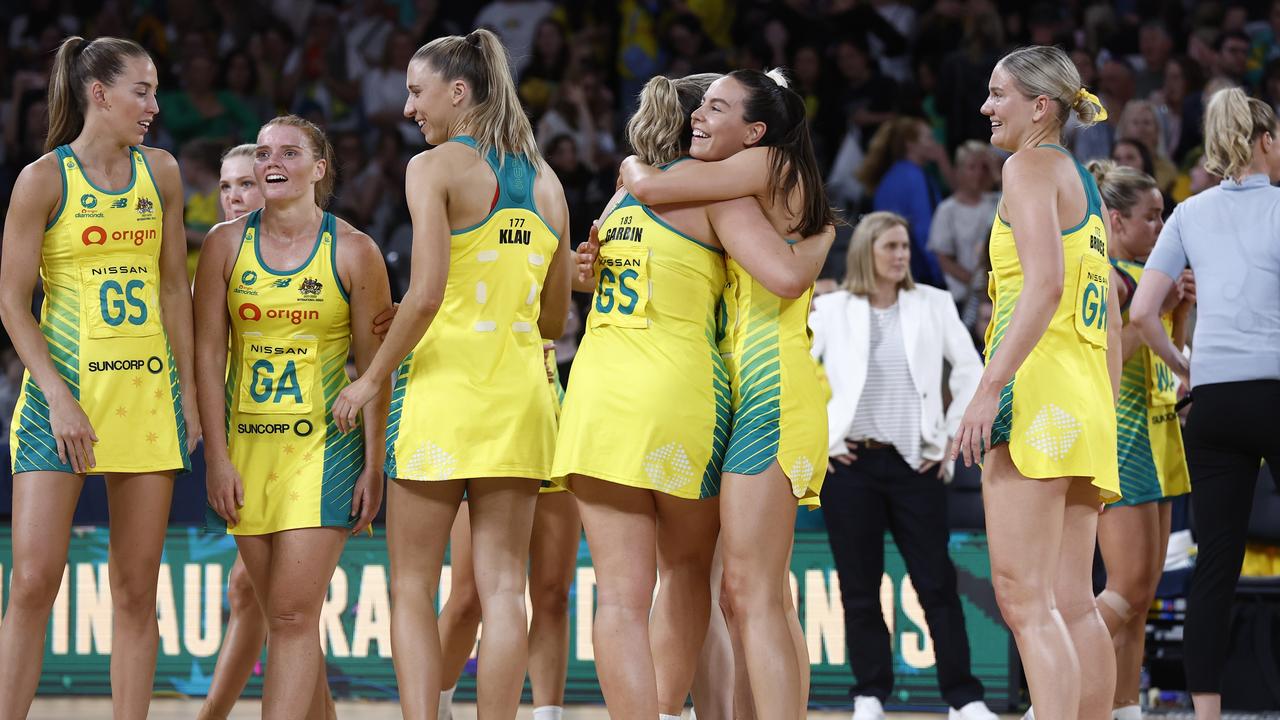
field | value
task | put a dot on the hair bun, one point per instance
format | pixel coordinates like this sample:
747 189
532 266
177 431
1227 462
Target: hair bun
778 76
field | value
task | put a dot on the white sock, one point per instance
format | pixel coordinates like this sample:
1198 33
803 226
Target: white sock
1128 712
548 712
446 704
668 717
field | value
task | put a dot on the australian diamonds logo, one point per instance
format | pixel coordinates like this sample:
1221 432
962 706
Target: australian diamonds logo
88 201
121 203
146 208
249 277
310 288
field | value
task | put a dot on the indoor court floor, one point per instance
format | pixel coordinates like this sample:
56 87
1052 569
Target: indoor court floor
167 709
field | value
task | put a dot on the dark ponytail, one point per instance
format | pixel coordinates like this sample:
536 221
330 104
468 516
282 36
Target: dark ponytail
792 160
78 63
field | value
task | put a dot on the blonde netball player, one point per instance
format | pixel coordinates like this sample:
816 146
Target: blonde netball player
647 416
239 194
553 555
776 454
470 410
1043 415
296 290
109 387
1133 533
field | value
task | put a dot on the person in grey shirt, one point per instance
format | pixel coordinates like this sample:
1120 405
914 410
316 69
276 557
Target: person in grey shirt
1230 238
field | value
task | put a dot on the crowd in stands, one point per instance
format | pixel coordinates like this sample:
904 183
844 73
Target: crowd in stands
892 88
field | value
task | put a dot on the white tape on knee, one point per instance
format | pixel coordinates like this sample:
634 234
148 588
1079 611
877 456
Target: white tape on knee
1117 603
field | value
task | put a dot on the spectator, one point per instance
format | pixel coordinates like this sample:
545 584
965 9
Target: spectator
1155 46
862 98
547 68
691 50
883 340
516 22
1269 89
894 171
962 79
199 110
1139 121
201 161
1178 104
316 82
366 28
571 113
240 80
1232 56
383 89
1132 154
962 222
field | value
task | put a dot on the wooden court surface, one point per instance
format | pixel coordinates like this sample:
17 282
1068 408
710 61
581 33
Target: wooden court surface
95 708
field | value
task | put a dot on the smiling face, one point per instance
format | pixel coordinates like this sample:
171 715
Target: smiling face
891 254
285 165
238 190
1011 112
128 105
719 126
433 103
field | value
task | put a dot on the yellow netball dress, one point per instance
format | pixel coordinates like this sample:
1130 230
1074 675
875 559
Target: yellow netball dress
557 399
471 399
1153 464
779 404
99 265
290 336
1057 413
648 400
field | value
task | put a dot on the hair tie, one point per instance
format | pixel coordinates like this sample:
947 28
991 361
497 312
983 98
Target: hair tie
1092 99
473 38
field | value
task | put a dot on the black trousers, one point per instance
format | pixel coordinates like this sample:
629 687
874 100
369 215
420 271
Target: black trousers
879 492
1231 429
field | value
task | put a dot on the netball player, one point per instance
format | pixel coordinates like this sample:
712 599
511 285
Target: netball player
1043 416
296 290
470 410
109 387
1133 533
777 451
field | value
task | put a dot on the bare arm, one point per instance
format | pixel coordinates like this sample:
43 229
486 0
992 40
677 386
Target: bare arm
223 486
1144 313
785 270
1115 343
427 192
370 294
175 288
744 174
584 277
36 193
556 286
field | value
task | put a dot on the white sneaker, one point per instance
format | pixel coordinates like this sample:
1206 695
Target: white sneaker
1030 714
976 710
866 707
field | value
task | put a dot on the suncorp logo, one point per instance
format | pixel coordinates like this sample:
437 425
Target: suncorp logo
153 365
253 313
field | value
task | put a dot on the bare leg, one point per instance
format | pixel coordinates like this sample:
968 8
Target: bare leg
501 523
1208 705
1132 540
1024 535
460 616
139 507
621 524
712 687
43 503
758 516
553 559
1073 595
687 531
797 638
296 567
241 646
419 515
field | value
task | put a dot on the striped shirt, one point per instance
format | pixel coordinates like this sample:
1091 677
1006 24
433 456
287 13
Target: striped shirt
889 409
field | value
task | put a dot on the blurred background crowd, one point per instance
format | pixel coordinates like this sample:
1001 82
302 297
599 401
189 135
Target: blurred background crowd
892 87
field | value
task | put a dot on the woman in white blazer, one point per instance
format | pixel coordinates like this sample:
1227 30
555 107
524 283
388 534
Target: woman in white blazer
883 340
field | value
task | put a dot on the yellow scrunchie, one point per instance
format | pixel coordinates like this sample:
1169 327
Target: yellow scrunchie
1093 99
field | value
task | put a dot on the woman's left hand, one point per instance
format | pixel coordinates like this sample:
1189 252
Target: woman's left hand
353 398
191 416
366 498
974 437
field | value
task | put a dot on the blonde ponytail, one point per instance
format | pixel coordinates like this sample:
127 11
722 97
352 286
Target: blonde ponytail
1232 121
1047 70
496 119
77 63
1121 186
654 130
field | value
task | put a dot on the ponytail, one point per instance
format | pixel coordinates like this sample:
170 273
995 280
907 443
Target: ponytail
320 148
1232 121
654 130
496 119
1121 187
77 63
793 163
